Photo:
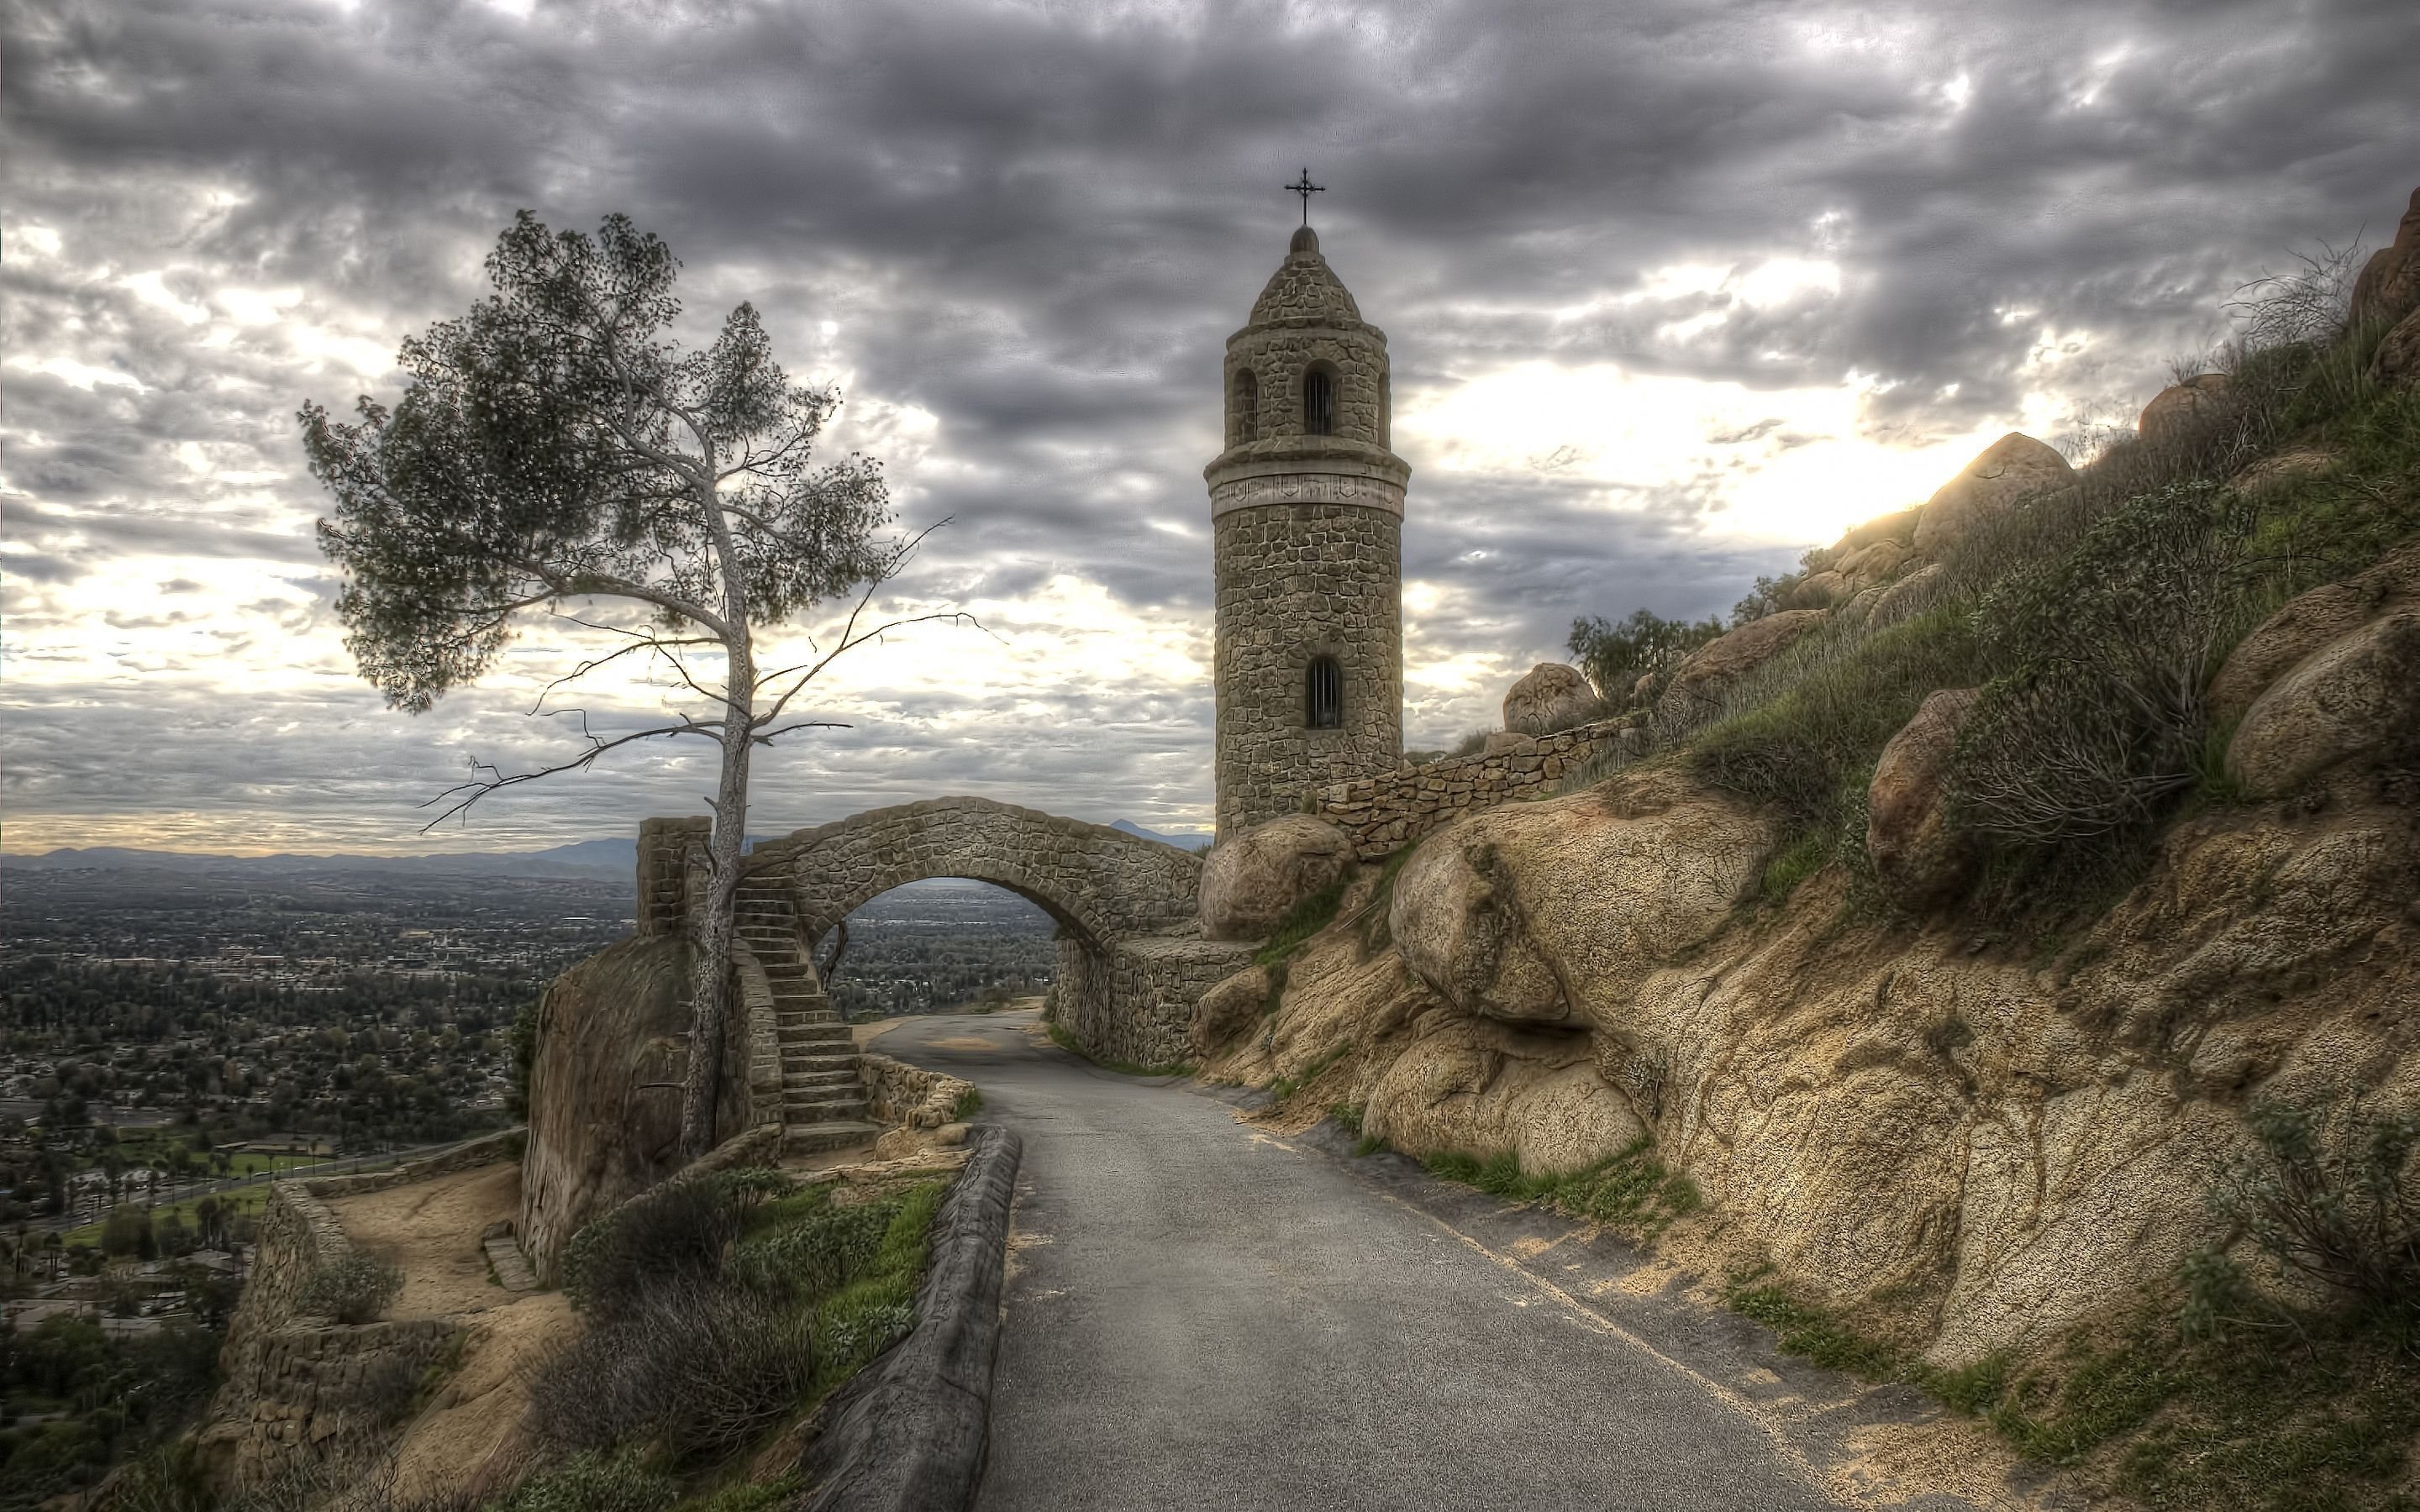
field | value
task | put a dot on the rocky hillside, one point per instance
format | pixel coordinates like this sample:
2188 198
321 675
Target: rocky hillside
1978 950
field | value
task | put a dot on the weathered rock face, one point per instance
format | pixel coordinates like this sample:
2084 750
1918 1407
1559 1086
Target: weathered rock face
1899 527
1919 859
1972 1150
1511 912
1250 882
1550 697
2357 697
605 1089
2397 358
1820 590
1699 683
2174 408
1910 595
2324 614
2013 467
2311 622
2388 286
1227 1010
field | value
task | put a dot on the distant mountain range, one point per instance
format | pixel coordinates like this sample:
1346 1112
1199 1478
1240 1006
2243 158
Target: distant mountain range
1183 843
587 858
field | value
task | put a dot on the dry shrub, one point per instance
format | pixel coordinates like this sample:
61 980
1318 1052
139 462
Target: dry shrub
674 1232
2103 653
355 1289
703 1370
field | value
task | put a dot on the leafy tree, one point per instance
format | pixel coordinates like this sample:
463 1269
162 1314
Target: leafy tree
1615 656
556 447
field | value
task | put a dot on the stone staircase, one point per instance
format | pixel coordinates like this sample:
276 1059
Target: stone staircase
823 1090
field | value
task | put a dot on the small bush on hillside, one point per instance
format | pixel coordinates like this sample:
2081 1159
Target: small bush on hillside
820 1253
354 1290
700 1369
2097 716
2349 1219
589 1482
675 1232
1808 727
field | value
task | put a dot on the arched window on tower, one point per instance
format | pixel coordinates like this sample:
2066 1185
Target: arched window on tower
1323 694
1247 405
1319 401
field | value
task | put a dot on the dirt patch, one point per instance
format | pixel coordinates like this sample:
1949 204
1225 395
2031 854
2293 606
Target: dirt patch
431 1229
963 1042
470 1438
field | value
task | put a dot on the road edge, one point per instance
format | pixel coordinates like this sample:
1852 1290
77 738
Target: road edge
909 1434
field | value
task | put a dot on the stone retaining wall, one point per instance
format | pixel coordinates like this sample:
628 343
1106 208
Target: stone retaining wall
505 1144
298 1389
910 1096
1387 813
1134 1002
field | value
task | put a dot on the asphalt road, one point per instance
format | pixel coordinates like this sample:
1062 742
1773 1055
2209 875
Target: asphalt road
1199 1315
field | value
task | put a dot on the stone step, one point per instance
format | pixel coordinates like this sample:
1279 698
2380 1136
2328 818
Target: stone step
846 1076
836 1068
807 1139
512 1268
814 1033
831 1101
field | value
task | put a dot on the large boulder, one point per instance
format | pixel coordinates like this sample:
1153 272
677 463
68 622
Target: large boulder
2388 286
2397 358
1551 697
1233 1005
1919 859
1868 565
1899 527
2309 622
1551 913
1699 683
1250 884
2174 410
2013 467
604 1089
2358 697
1912 595
1820 590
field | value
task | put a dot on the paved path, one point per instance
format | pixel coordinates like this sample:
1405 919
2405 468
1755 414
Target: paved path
1199 1315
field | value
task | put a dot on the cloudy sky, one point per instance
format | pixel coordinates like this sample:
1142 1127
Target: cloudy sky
1675 288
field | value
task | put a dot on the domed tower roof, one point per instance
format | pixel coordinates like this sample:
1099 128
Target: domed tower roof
1304 287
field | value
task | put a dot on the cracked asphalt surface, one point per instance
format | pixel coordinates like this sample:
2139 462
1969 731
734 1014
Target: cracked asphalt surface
1202 1315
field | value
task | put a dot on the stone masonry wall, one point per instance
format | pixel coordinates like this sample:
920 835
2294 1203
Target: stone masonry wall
1133 1003
908 1096
297 1388
1387 813
664 846
1295 582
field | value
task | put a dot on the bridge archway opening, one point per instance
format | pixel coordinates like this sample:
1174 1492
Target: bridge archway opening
941 945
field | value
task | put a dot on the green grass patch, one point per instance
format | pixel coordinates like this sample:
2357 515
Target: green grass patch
1632 1192
1798 860
1307 918
970 1102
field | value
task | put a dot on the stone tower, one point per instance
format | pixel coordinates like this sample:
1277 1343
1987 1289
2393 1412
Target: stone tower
1306 516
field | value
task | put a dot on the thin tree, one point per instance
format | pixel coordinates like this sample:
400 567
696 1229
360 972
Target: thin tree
556 452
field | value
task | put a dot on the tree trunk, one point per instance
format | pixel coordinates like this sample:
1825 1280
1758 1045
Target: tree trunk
710 980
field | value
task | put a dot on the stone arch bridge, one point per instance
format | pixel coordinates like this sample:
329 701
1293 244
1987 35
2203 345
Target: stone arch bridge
1131 962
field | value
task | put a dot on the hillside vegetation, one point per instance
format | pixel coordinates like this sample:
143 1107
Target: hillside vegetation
1991 959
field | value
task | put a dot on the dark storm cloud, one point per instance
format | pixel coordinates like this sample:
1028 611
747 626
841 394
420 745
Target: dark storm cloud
1037 225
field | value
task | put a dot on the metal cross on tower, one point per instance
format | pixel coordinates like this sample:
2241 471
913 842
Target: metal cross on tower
1306 189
